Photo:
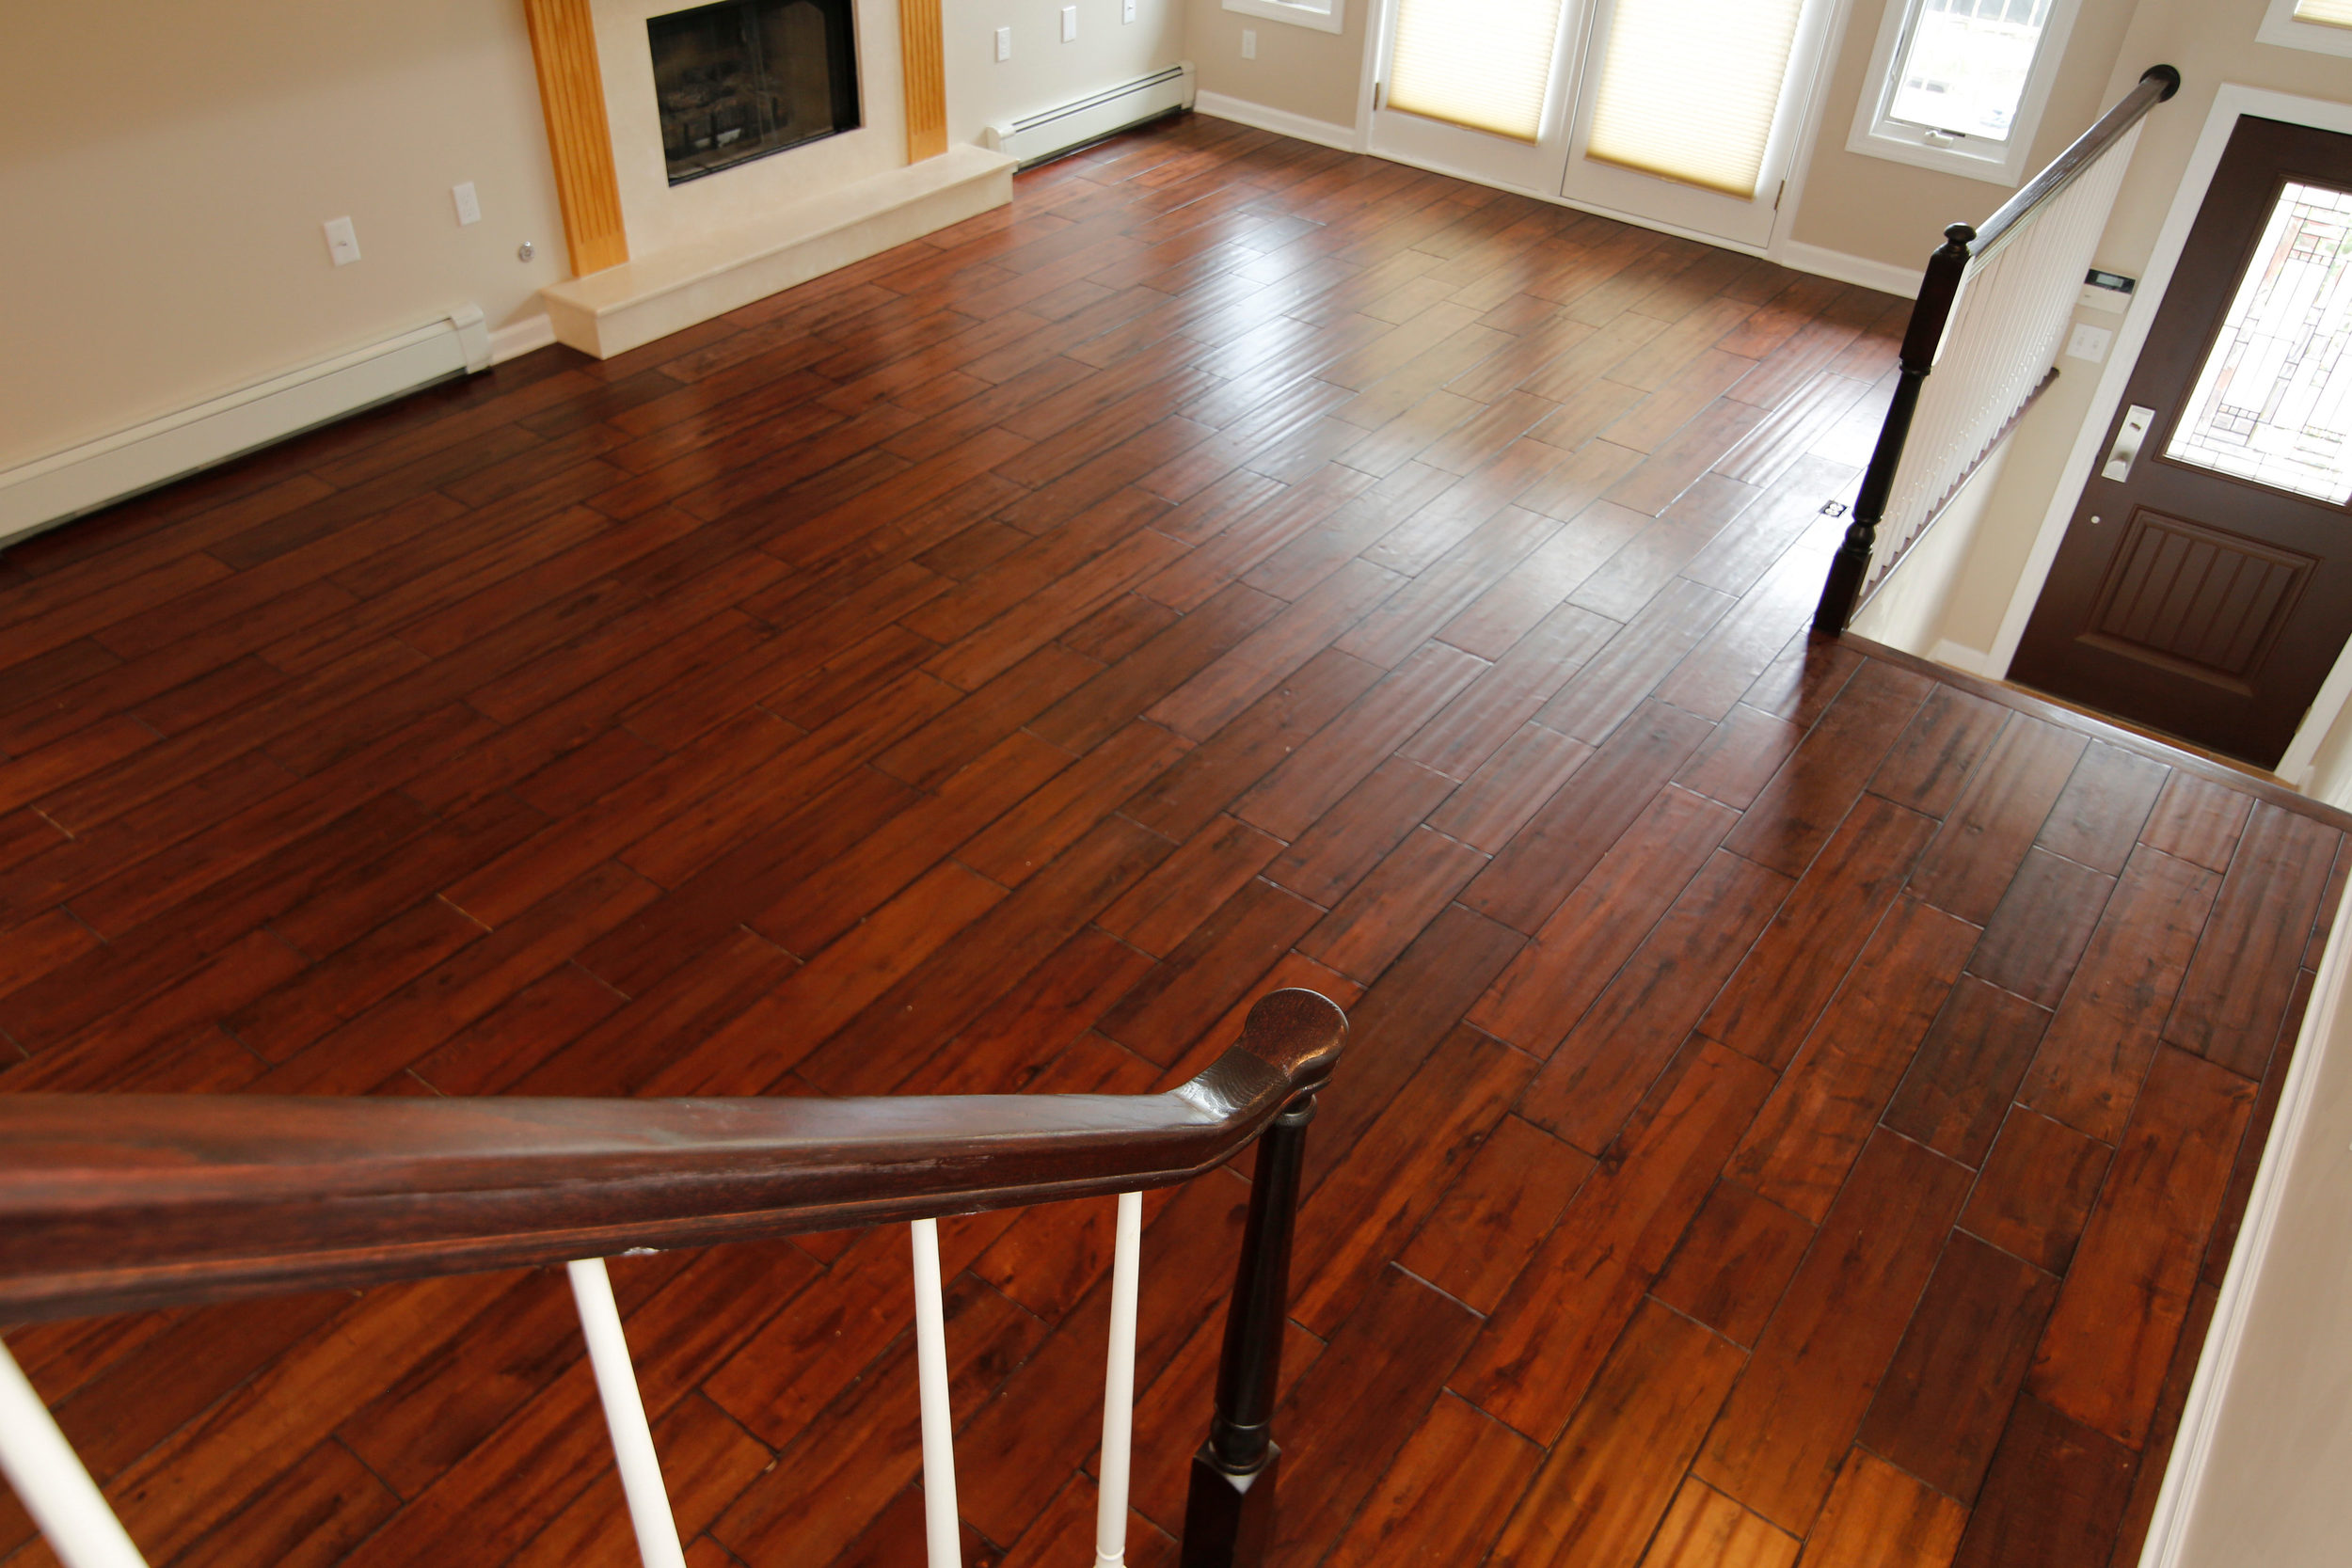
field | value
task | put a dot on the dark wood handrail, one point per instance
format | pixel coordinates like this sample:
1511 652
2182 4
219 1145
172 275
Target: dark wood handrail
2155 85
1923 337
113 1202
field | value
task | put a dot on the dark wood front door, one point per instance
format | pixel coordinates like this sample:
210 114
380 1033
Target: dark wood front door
2208 590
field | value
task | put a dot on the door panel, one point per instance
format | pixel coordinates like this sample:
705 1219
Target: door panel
1693 125
1433 108
2207 591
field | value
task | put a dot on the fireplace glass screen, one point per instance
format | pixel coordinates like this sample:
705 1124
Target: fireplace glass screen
740 80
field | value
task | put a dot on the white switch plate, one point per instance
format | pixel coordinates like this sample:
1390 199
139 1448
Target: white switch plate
1004 43
1249 43
342 241
1127 10
1069 23
2089 343
469 205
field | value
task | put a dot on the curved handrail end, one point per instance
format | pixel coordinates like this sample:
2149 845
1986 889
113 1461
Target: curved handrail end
1298 1033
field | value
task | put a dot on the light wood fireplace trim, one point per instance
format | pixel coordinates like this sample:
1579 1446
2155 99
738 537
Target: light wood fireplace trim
571 94
923 55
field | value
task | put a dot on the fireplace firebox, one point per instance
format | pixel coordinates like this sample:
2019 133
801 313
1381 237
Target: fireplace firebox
744 78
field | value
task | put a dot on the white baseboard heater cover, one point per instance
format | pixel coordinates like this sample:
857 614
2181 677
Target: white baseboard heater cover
1042 135
65 485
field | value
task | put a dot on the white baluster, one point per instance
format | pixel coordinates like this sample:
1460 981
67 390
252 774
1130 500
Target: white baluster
1118 1388
625 1417
939 1427
50 1482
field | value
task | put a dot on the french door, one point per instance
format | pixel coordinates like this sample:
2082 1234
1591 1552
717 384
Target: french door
1681 113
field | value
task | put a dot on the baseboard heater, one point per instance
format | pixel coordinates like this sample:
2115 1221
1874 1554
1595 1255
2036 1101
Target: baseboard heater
1054 132
65 485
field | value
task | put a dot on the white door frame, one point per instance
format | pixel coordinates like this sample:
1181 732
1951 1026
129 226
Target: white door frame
2231 100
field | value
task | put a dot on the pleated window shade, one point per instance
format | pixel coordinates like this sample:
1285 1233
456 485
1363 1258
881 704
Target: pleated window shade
2330 13
1480 63
1689 88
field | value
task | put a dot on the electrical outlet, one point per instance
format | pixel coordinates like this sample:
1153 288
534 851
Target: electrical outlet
1070 25
2089 343
1249 43
342 241
469 205
1004 43
1127 10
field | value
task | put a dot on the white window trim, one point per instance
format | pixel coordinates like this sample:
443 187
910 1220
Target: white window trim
2281 27
1324 18
1877 137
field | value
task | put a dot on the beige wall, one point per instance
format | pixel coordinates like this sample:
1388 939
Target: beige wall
165 166
1895 213
1044 70
2211 41
1299 71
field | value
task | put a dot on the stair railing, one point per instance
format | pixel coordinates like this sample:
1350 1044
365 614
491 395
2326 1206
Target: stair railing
121 1202
1992 312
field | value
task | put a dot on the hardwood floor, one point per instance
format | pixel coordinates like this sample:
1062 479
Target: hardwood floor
1796 1095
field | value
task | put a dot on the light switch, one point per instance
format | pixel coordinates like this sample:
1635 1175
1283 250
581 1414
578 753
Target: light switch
342 241
1004 43
1249 43
1069 23
2089 343
1127 10
469 206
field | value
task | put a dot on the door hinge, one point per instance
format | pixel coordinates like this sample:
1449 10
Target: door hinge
1380 95
1779 194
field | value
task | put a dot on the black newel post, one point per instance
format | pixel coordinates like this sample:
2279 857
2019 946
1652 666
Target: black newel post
1851 564
1229 1516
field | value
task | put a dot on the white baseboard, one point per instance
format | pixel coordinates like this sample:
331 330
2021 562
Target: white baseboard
1034 138
1280 121
65 485
1824 262
1960 656
519 338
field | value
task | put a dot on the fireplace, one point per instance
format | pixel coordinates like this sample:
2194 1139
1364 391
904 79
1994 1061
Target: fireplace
744 78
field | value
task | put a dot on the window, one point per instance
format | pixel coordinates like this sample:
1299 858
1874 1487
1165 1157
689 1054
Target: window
2324 26
1485 64
1323 16
1690 88
1961 83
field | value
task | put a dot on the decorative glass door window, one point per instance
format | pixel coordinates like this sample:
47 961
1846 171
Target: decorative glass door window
2273 400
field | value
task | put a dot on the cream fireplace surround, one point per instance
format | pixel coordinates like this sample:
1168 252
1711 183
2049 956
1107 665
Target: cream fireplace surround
650 258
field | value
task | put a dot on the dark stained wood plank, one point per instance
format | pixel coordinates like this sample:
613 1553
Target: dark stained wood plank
1821 1113
2106 1029
1706 1530
1930 762
1505 1200
2037 1189
1941 1407
2055 1494
1540 1349
1997 818
2037 930
2099 815
2237 986
1734 1262
1772 999
1964 1073
1804 803
1613 1472
2198 819
2104 1358
1447 1494
1879 1517
1782 1436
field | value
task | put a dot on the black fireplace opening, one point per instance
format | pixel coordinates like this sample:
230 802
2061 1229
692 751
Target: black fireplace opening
744 78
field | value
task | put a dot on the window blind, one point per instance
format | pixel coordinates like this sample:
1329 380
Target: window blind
1689 88
2328 13
1481 63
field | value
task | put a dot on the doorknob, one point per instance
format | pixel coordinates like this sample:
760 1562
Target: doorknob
2135 422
